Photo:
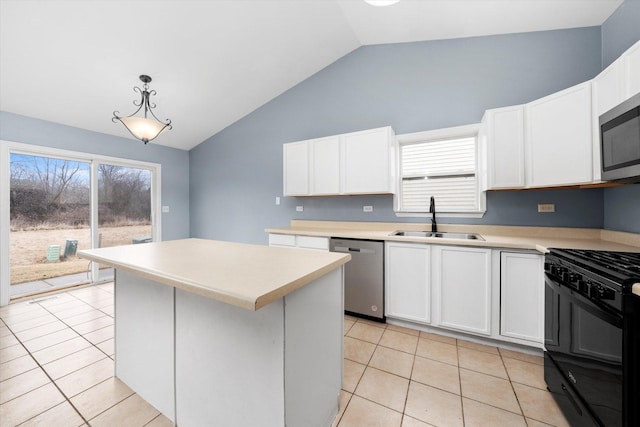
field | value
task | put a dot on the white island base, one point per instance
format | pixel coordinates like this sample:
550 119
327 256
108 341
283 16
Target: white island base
203 362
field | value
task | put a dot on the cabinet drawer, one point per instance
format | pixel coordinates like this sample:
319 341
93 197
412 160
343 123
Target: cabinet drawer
308 242
282 240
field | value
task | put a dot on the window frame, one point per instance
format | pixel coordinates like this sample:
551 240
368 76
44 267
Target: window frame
9 147
458 132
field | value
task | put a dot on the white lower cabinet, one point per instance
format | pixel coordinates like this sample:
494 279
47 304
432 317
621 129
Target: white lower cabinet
408 281
462 288
522 296
303 242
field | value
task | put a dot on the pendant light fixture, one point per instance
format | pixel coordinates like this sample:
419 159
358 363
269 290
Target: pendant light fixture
381 2
142 127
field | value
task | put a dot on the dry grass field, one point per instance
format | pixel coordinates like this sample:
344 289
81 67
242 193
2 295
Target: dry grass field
28 250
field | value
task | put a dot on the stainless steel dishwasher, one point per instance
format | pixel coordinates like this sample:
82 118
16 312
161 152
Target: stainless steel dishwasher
363 277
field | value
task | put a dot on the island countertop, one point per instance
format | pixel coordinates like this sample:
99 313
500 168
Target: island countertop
247 276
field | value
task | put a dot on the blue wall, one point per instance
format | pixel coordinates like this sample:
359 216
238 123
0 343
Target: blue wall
619 32
237 173
175 163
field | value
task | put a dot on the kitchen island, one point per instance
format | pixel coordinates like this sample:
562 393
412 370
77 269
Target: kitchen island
220 333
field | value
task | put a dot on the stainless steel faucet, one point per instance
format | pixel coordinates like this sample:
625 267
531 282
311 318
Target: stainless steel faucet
432 210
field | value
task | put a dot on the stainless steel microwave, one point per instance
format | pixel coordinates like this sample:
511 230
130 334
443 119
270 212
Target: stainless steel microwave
620 141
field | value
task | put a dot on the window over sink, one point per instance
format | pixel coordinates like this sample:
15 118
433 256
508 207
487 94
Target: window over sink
444 164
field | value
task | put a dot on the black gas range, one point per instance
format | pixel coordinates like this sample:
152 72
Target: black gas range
592 335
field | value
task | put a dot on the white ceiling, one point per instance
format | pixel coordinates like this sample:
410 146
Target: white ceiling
215 61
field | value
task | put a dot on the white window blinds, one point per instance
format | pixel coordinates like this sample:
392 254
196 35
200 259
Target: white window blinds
444 169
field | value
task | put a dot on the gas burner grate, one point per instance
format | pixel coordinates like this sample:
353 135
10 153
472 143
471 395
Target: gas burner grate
621 265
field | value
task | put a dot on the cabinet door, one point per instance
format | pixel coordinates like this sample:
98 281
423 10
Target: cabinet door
408 282
632 70
462 285
522 296
607 92
367 161
558 138
505 147
296 168
325 165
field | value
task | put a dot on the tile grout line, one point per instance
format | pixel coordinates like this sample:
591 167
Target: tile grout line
91 345
51 381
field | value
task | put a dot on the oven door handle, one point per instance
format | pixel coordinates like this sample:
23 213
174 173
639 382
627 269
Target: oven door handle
583 302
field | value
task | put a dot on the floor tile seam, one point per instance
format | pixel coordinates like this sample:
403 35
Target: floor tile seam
115 404
380 404
436 387
480 350
66 355
154 418
20 314
485 373
43 410
57 343
28 391
89 310
99 329
436 360
361 340
345 409
397 349
493 406
387 372
17 357
122 401
37 325
401 332
82 335
51 380
511 384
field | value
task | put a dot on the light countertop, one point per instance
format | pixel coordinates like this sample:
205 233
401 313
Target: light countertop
247 276
532 238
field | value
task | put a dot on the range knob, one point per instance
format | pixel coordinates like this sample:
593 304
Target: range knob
582 286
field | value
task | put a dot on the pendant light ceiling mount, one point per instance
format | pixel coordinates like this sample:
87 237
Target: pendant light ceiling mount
142 127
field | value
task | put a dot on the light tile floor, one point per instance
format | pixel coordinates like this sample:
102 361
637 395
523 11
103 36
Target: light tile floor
401 377
56 369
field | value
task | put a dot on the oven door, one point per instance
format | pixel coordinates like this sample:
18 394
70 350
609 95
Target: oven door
584 342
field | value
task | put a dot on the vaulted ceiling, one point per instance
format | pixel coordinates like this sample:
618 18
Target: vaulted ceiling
215 61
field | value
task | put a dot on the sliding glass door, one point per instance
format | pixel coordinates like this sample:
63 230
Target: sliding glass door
124 208
50 215
60 202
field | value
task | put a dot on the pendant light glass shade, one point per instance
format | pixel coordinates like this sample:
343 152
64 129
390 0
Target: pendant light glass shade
381 2
142 127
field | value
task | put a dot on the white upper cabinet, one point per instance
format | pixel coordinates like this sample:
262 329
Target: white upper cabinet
325 165
558 138
617 83
368 164
503 129
296 169
353 163
632 70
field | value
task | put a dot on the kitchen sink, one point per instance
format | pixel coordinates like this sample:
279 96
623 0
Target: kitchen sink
442 235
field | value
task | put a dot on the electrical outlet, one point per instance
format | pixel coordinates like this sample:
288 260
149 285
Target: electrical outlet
367 209
299 208
546 207
165 209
